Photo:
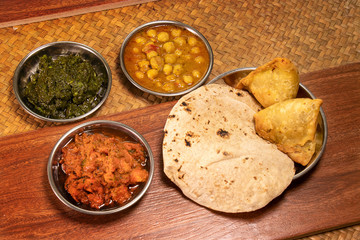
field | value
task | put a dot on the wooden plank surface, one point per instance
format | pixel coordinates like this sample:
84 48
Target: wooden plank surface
327 198
16 12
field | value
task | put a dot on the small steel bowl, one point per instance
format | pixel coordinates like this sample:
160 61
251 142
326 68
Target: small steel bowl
322 129
57 177
30 64
161 23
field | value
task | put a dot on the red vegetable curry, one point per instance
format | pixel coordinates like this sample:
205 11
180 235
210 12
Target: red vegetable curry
103 170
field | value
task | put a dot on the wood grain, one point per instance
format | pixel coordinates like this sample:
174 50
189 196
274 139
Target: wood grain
327 198
16 12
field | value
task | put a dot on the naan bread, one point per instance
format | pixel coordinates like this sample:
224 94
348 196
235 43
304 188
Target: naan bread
213 154
276 81
291 125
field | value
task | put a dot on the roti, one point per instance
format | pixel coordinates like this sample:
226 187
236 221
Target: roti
213 154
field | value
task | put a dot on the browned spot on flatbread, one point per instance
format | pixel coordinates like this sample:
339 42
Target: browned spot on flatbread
223 133
190 134
226 153
184 104
182 176
187 143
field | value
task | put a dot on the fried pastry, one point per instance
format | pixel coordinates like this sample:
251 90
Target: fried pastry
273 82
291 125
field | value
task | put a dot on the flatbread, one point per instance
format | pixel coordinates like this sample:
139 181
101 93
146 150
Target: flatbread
212 153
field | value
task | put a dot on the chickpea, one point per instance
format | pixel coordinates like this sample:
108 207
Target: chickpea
152 73
186 57
144 65
188 79
192 41
195 50
178 69
139 75
168 87
140 40
175 32
150 46
199 59
196 74
157 62
178 52
151 33
180 83
136 50
169 47
170 58
171 77
151 54
150 43
167 69
163 37
158 84
180 41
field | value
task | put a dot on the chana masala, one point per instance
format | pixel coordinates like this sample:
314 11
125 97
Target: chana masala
103 170
166 58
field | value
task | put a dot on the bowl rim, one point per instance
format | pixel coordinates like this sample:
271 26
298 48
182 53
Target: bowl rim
166 22
322 114
80 128
48 45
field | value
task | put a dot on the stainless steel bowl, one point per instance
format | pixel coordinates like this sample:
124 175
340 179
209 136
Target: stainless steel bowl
160 23
56 176
322 129
30 63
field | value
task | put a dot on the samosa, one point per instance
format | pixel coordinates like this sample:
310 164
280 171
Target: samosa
276 81
291 125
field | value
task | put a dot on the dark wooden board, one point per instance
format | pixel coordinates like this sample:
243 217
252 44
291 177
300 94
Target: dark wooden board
16 12
326 198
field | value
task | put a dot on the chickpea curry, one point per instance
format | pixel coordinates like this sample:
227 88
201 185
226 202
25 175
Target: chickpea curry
103 170
166 59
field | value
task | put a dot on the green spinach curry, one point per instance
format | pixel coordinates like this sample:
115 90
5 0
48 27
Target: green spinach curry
64 88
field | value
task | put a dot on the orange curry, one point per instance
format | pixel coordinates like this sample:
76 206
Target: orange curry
103 170
166 58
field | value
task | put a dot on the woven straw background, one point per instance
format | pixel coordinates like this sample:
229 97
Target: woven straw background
313 34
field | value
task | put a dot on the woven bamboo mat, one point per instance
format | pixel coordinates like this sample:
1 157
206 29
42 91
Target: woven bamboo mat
313 34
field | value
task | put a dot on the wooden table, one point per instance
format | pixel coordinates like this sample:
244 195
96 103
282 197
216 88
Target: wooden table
325 199
16 12
315 35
